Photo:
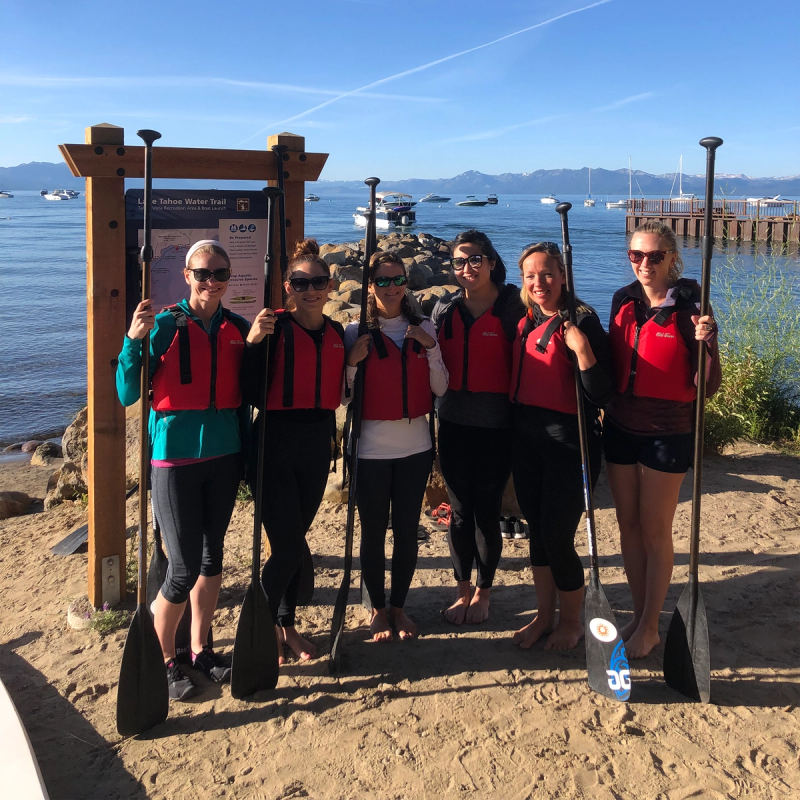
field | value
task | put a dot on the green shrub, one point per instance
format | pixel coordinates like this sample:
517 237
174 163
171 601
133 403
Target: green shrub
107 620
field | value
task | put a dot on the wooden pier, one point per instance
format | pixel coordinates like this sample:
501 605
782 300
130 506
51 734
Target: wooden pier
775 222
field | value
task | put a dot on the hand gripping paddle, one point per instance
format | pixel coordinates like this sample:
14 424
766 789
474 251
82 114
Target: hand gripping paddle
687 664
606 662
142 693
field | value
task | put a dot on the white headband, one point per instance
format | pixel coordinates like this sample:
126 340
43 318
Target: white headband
202 243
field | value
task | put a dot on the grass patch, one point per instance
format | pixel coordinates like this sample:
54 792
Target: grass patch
243 493
107 620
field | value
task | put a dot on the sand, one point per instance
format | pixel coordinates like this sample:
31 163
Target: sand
460 712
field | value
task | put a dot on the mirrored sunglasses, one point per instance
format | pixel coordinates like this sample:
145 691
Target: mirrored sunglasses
384 281
654 257
222 275
301 284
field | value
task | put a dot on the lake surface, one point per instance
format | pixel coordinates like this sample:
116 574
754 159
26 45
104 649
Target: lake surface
43 286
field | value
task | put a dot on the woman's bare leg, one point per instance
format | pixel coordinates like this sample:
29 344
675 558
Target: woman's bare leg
542 623
203 597
569 630
166 618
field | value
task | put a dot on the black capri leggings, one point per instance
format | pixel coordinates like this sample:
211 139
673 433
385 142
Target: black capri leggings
476 465
296 472
546 464
193 504
399 483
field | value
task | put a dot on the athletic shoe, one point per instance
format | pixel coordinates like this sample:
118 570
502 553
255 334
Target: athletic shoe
505 528
519 529
180 687
213 665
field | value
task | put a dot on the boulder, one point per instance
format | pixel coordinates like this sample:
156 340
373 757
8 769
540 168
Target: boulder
418 276
337 257
12 448
328 248
342 274
30 446
332 306
427 298
13 504
442 279
75 441
64 484
403 251
348 286
45 454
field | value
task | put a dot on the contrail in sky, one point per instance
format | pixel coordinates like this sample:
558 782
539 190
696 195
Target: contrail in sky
423 67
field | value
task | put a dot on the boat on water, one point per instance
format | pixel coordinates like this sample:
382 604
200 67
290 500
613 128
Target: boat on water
588 202
5 195
391 209
623 203
551 199
764 201
681 195
69 193
492 200
472 201
56 195
311 198
434 198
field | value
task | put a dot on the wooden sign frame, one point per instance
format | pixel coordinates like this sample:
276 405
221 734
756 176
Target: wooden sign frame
105 161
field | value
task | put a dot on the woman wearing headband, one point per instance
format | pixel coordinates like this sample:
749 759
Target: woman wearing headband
475 329
546 460
306 377
403 367
195 355
647 432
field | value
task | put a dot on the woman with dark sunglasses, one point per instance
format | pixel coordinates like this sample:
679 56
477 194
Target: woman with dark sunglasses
403 366
647 431
306 376
476 328
546 460
195 355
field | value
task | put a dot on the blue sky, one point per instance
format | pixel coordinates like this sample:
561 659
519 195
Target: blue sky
414 89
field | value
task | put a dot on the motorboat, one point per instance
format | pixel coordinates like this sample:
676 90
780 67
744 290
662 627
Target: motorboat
434 198
616 204
69 193
472 201
492 200
391 209
5 195
551 199
311 198
623 203
56 195
764 201
588 202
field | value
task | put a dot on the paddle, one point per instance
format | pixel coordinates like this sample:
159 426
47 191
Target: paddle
255 648
687 665
606 661
142 693
340 605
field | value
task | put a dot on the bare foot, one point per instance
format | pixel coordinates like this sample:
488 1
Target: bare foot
457 612
532 632
478 610
405 628
641 643
301 647
565 636
379 626
629 629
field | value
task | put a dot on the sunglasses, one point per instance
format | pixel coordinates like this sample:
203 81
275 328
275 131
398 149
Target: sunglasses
222 275
460 263
384 281
654 257
301 284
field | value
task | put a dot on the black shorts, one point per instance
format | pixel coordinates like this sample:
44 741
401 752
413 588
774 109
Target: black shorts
673 453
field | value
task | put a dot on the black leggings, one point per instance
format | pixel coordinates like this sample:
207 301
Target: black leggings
399 483
193 505
295 473
549 486
476 464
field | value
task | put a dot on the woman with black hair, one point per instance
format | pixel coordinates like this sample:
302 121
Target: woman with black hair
476 328
403 366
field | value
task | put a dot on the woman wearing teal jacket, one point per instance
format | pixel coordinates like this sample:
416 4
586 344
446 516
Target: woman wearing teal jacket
195 445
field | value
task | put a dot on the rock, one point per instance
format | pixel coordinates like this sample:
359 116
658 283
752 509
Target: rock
436 491
345 316
418 276
337 257
427 298
12 448
351 296
29 447
65 484
403 251
343 274
442 279
13 504
45 454
334 491
328 248
75 441
348 286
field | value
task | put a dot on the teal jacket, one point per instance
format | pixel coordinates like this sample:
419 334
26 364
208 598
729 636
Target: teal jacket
192 433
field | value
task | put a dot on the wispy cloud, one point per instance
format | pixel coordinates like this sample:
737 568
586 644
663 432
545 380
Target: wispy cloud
495 132
634 98
361 90
8 119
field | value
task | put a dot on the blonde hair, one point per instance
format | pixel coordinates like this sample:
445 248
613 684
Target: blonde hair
667 235
552 252
211 249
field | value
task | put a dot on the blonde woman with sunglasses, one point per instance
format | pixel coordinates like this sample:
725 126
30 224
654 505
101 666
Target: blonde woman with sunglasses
647 431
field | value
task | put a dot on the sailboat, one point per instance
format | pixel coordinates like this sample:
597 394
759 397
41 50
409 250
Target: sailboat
681 195
623 203
588 202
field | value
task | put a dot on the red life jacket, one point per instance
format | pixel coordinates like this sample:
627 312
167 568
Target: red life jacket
397 383
200 369
651 360
478 356
545 375
302 373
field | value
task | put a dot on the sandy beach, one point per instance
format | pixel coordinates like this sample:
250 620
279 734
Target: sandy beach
460 712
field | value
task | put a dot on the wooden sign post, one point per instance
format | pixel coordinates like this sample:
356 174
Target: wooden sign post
106 162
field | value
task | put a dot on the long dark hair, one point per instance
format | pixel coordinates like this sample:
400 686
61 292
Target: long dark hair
379 258
498 274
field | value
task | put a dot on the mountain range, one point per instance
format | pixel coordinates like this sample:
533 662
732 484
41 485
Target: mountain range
45 175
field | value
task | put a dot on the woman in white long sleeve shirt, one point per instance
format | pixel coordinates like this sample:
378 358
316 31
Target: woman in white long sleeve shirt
404 368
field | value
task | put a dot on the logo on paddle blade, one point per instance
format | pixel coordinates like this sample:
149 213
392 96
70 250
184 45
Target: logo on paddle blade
603 630
619 676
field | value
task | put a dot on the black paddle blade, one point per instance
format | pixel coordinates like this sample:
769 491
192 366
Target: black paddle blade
255 650
337 625
305 596
687 664
71 542
606 661
142 694
365 599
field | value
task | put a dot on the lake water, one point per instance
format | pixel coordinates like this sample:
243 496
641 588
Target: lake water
43 286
